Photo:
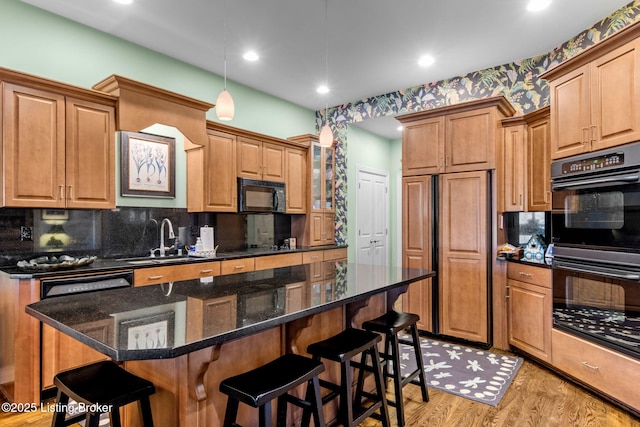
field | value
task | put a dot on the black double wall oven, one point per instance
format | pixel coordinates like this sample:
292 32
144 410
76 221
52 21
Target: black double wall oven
596 234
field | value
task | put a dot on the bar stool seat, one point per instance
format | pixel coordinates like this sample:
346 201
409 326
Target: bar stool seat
343 348
390 325
101 387
258 387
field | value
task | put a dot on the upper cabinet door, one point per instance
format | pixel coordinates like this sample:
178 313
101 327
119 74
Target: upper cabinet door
615 97
34 147
219 164
249 158
570 113
423 147
260 160
90 155
470 140
296 180
273 162
539 165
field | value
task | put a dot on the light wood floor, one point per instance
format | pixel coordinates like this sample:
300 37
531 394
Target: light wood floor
537 397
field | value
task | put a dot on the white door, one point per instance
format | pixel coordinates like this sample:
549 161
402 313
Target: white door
372 217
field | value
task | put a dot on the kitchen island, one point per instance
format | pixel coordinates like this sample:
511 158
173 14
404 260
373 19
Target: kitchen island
188 336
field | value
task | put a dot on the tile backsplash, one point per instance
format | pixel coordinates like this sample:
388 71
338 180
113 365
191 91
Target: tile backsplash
121 232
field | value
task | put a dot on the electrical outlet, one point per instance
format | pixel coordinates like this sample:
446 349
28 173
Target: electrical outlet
26 234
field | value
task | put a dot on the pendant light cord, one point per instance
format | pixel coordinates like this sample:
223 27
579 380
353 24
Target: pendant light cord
224 40
326 56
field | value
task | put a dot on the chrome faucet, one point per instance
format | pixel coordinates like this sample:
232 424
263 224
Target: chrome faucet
172 235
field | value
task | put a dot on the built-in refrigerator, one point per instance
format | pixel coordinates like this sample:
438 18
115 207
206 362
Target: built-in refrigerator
447 227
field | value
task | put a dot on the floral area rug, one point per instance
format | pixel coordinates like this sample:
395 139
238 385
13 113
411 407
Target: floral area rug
471 373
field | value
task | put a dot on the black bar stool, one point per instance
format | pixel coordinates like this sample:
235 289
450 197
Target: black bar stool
258 387
342 348
390 324
101 387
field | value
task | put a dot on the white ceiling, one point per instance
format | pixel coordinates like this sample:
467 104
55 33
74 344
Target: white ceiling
373 45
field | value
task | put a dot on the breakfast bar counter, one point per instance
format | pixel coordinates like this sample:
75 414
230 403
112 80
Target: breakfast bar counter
188 336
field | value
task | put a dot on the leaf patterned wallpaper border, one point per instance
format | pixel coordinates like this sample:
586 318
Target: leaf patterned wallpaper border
518 81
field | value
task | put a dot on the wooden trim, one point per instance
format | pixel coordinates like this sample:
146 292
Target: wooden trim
42 83
115 83
497 101
243 133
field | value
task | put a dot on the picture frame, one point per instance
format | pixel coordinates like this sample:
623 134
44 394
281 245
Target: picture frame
149 332
147 165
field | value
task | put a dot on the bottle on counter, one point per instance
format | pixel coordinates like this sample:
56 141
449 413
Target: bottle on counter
199 246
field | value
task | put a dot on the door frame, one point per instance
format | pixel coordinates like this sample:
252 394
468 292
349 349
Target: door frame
385 174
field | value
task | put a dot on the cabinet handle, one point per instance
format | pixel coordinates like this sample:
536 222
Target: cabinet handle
61 188
522 273
446 161
205 271
547 196
584 136
593 133
590 366
238 267
154 277
314 257
70 195
441 161
521 204
507 296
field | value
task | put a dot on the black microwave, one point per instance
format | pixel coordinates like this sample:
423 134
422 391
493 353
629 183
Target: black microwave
255 196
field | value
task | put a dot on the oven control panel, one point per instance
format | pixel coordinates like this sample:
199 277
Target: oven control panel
593 163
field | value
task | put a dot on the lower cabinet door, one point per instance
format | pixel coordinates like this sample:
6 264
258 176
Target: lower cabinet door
530 318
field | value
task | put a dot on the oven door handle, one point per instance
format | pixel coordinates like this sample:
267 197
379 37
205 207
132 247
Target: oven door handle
624 179
601 271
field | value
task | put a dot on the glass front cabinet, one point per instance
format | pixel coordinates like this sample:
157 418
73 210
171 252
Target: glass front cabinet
318 226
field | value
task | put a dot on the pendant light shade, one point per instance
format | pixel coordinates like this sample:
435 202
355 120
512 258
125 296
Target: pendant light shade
225 109
326 136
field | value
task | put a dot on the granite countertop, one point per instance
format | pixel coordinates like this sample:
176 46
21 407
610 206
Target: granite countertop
172 319
106 264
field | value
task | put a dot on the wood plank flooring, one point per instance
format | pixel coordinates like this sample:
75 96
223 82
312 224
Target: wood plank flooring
536 398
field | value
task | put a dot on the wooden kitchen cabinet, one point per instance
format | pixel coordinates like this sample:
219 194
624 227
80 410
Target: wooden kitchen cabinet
514 165
260 160
607 371
455 138
211 174
318 226
60 352
530 305
539 160
175 273
417 211
464 252
595 97
59 147
295 176
525 162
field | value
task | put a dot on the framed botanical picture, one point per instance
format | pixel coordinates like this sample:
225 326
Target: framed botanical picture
147 165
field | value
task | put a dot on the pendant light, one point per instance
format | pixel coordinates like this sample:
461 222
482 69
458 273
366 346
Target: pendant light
225 109
326 135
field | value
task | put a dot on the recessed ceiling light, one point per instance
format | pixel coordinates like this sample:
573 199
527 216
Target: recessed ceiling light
536 5
323 89
399 128
426 61
251 56
123 1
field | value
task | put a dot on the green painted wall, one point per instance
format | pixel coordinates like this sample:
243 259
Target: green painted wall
381 154
38 42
